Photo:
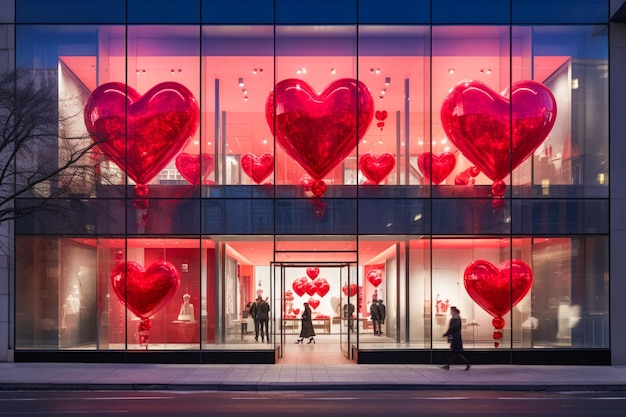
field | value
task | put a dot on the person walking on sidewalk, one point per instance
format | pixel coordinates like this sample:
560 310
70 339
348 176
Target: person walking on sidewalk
307 329
454 338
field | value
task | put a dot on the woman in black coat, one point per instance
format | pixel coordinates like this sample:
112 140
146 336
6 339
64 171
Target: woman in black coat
307 326
454 337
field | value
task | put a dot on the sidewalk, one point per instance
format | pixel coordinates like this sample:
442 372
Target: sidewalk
73 376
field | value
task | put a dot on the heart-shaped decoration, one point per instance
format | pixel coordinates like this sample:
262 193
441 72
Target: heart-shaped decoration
490 286
144 292
314 303
322 286
257 168
319 130
349 291
478 121
436 167
141 134
376 167
296 311
299 286
310 288
375 277
381 115
195 168
312 272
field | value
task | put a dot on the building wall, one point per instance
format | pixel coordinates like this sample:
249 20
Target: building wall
580 218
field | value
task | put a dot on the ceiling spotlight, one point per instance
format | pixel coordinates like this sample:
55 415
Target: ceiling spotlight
254 71
387 80
244 91
333 71
377 70
180 71
240 82
450 70
245 98
172 71
488 71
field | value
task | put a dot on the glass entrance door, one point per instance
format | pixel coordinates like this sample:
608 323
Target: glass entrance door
349 300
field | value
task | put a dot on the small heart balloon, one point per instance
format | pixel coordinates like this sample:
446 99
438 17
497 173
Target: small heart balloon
351 291
376 167
478 121
322 286
141 134
381 115
319 130
312 272
314 303
375 277
195 168
296 311
299 286
257 168
497 289
310 288
144 292
436 167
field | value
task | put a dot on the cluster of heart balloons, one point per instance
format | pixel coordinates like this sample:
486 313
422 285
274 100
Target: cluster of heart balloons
311 284
497 289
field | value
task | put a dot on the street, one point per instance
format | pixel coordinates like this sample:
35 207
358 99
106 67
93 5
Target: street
311 403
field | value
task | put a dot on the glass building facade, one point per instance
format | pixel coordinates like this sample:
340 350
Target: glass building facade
425 153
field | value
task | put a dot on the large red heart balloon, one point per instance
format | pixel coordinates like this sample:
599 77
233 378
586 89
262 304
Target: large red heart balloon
436 167
490 286
376 167
375 277
312 272
144 292
319 130
314 303
322 286
349 291
195 168
299 286
478 121
141 134
257 168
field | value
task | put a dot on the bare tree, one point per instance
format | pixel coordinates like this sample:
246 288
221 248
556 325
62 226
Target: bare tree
45 151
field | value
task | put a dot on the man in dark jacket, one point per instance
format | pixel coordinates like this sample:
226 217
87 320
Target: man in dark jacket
263 318
382 310
375 316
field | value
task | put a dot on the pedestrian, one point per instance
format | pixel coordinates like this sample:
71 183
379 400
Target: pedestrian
382 310
263 317
307 330
253 314
454 338
375 316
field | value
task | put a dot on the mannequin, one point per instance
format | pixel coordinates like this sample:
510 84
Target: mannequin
186 312
70 314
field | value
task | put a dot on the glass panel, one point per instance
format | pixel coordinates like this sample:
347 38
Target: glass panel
238 11
237 77
420 311
394 63
180 11
395 11
70 11
316 12
569 11
459 11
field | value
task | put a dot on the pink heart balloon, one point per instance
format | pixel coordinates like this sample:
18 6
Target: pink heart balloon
478 121
257 168
195 168
319 130
490 286
314 303
144 292
436 167
141 134
381 115
376 167
322 286
312 272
